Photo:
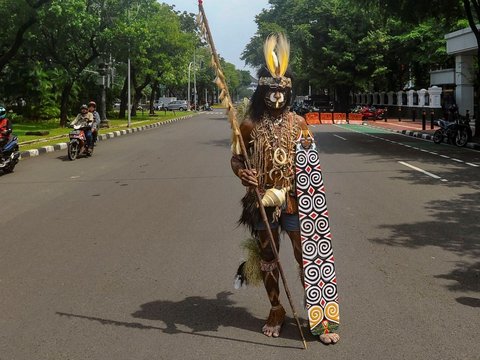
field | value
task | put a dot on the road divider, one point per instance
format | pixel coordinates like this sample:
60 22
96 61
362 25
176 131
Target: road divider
102 137
326 118
312 118
340 118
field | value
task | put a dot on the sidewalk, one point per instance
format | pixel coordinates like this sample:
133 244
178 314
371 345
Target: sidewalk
413 128
101 137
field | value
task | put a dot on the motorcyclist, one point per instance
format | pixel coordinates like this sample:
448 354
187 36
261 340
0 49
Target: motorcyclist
86 121
5 127
92 108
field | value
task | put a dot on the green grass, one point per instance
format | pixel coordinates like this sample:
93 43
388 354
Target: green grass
52 126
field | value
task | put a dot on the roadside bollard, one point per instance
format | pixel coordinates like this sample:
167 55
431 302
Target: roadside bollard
424 120
414 114
399 113
467 115
432 115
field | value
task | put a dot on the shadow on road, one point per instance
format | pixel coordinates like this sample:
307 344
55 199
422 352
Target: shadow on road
201 315
451 229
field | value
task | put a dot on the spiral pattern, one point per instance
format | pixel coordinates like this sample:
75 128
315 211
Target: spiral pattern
316 241
313 158
306 203
332 312
313 295
301 159
320 202
316 179
307 227
315 315
329 292
328 271
309 249
313 273
324 248
302 181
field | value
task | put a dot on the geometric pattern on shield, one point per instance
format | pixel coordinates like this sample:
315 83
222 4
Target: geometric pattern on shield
320 280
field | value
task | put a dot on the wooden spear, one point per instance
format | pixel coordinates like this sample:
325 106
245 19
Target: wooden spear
239 140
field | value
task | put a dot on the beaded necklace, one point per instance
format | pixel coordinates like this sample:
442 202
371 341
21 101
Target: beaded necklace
273 152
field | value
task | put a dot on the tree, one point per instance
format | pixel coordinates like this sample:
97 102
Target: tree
343 45
69 32
15 27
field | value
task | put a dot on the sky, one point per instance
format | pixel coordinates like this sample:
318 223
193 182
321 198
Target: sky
232 23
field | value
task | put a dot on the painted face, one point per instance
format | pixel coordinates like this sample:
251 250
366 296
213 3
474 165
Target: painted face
275 98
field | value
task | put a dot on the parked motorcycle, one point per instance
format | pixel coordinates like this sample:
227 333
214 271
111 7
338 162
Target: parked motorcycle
369 112
456 132
9 155
78 142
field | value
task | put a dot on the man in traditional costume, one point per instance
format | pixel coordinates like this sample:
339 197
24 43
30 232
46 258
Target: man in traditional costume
273 136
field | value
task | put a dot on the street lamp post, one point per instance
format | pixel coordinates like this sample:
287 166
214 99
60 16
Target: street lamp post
194 82
188 90
129 105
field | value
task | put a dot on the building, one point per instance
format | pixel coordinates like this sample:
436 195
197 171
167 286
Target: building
458 83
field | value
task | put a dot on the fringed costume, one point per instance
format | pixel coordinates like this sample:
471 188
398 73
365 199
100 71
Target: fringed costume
282 151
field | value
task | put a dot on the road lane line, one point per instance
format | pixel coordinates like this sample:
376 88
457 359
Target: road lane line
409 146
422 171
339 137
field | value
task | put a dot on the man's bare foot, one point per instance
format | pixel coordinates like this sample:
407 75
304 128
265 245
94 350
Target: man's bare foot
274 322
330 338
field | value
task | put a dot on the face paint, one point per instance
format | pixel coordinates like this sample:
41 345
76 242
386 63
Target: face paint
275 99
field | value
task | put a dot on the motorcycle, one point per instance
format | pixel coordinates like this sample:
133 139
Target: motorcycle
9 155
78 142
456 132
372 113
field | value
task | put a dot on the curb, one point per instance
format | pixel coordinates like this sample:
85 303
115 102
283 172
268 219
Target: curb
101 137
420 135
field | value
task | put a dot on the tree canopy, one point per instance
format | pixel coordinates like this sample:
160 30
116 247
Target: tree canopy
346 45
53 52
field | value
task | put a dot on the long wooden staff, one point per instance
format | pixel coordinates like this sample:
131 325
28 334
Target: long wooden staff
239 146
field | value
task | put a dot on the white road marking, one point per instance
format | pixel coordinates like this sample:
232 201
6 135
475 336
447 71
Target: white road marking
422 171
339 137
411 147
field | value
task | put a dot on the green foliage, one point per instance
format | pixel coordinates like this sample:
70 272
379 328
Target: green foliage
55 68
345 45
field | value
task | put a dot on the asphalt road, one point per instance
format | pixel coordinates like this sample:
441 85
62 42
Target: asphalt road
131 254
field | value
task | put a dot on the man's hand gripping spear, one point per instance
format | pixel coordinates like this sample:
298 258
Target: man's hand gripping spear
238 147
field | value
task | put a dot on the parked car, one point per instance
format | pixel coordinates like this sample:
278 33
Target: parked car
159 106
178 105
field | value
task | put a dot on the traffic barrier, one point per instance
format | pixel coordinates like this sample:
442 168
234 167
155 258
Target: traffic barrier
355 118
326 118
312 118
340 118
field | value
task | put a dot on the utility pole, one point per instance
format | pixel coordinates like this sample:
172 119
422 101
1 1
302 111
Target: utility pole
189 97
194 81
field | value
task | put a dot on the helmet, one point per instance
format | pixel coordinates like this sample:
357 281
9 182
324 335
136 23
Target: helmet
3 112
83 107
92 103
